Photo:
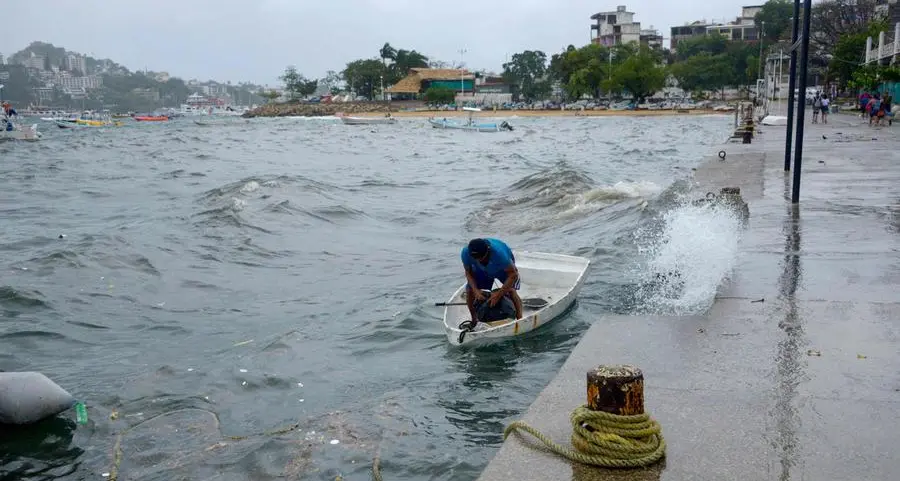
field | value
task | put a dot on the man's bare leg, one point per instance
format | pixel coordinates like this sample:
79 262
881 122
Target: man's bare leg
517 302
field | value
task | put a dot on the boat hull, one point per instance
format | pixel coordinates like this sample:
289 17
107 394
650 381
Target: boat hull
368 120
555 278
447 124
26 133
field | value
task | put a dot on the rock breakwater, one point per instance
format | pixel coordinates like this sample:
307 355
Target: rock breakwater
298 109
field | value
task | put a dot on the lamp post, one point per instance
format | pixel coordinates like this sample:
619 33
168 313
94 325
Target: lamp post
462 77
761 32
382 87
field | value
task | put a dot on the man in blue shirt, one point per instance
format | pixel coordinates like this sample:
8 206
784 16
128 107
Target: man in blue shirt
485 260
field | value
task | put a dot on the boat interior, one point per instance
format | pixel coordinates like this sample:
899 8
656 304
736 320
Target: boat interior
546 279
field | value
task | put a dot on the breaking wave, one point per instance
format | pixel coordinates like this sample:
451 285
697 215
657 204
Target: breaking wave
553 197
684 257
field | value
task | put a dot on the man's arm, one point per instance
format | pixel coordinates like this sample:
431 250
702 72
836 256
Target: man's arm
470 278
512 275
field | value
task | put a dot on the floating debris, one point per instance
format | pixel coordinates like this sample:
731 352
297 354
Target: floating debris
813 352
335 441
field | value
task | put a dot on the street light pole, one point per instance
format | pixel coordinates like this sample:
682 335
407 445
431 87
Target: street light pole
462 83
761 32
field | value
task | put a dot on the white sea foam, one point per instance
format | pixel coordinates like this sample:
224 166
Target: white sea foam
688 258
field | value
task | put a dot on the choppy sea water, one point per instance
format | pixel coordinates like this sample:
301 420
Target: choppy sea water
254 299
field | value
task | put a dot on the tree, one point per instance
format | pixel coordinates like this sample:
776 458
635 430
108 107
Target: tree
290 77
830 19
332 81
777 16
849 52
269 96
639 74
295 83
440 95
525 73
403 61
703 72
363 76
713 44
581 71
387 52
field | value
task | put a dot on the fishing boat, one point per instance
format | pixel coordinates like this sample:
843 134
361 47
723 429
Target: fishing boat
548 287
387 119
98 123
470 124
21 133
150 118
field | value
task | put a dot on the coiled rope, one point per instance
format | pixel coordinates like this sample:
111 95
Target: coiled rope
607 440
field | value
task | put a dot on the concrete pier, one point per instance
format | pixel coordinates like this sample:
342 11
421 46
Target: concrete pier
794 371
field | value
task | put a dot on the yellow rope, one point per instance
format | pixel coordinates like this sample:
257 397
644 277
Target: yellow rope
608 440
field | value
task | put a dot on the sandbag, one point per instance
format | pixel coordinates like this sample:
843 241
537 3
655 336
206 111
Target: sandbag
28 397
504 309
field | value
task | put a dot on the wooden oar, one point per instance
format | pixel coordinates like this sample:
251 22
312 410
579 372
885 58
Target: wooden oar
531 302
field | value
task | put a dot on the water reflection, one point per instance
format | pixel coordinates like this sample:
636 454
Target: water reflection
789 369
478 406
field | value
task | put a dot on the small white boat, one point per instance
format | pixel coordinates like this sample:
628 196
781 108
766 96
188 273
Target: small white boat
549 285
367 120
470 124
21 133
774 120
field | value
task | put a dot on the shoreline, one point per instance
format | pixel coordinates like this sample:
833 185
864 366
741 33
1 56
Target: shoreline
544 113
418 110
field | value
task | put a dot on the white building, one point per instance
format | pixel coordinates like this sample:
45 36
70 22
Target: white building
70 83
34 61
613 28
76 62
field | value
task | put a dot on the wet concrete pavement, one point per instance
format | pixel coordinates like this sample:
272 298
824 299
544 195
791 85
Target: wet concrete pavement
804 385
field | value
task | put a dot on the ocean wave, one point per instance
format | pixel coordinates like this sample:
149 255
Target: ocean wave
554 197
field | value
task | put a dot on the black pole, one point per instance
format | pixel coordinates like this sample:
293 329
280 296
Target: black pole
795 32
804 58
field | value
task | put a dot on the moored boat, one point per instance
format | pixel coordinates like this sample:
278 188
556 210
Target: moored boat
548 287
150 118
21 133
349 120
470 124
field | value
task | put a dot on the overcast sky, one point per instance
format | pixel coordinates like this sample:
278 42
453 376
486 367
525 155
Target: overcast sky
255 39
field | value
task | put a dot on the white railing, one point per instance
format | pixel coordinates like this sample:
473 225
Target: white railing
882 48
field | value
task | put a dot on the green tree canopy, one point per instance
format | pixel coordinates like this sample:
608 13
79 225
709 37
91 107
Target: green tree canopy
704 72
777 16
296 84
640 74
526 72
364 76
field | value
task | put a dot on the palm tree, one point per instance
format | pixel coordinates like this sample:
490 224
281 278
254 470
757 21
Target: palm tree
387 52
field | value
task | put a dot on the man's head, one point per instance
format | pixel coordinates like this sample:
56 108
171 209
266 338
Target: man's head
480 250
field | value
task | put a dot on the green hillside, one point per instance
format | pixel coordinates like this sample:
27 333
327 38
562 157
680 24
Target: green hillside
122 90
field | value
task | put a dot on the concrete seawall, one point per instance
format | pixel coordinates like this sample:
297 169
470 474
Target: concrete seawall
802 385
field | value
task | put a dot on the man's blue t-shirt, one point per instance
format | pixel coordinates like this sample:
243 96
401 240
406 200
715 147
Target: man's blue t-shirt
501 258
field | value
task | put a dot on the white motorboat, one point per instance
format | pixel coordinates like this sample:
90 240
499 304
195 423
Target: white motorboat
470 124
21 133
367 120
